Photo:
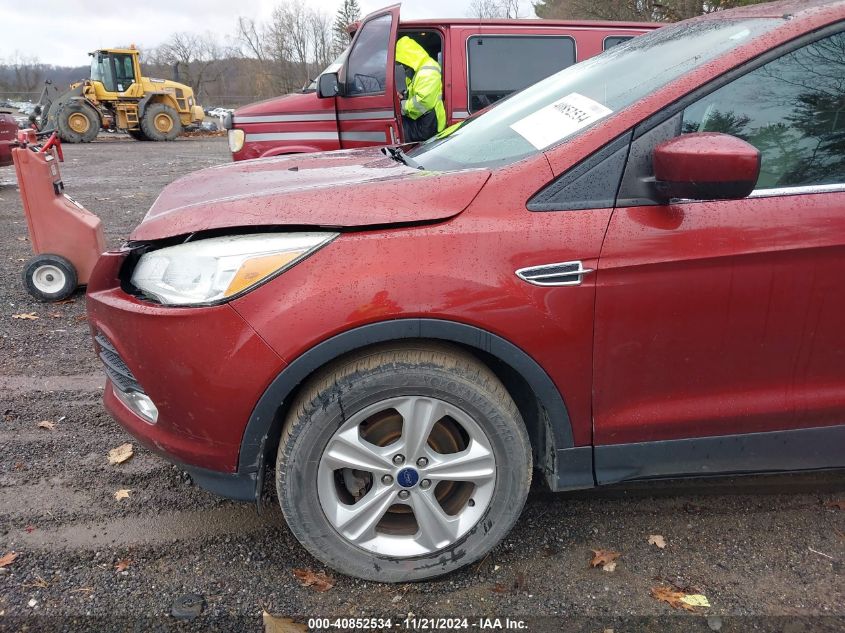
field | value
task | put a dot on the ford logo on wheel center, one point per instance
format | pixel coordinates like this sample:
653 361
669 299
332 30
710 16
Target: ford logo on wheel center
407 478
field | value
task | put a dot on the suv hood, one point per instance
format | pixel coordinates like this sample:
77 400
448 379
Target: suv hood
348 188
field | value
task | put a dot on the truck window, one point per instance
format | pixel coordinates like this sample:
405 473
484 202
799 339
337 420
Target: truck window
615 40
502 64
124 73
366 72
106 72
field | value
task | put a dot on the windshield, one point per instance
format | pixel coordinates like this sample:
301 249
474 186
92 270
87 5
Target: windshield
574 99
331 68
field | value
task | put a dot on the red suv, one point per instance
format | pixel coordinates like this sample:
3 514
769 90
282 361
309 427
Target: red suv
633 269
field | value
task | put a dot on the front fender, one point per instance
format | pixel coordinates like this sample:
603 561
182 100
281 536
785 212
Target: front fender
264 424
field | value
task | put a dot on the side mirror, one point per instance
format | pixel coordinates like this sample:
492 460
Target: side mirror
705 166
327 85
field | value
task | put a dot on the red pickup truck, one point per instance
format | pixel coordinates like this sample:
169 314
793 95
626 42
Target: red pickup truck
482 62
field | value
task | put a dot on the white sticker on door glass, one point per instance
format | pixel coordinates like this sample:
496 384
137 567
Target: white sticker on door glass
559 119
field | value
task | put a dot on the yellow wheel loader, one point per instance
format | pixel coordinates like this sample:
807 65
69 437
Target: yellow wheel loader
118 97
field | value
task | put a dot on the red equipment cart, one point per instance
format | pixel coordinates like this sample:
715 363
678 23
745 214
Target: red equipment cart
66 238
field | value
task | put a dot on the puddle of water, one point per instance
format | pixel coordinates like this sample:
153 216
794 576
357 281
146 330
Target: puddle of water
28 384
158 529
24 500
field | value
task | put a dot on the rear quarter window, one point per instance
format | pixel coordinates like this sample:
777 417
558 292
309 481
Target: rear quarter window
614 40
499 65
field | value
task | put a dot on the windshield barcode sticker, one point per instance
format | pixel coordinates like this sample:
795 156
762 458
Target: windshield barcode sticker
560 119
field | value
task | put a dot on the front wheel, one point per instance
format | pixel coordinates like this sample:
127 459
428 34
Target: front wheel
78 123
49 277
403 463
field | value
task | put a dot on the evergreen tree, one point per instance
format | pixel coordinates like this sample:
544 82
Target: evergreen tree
645 10
348 13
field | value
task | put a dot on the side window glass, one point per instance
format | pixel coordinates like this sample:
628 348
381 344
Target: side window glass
792 110
615 40
123 66
366 70
500 65
108 74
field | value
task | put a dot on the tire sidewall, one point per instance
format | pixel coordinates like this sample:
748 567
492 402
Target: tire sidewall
148 125
32 266
300 456
68 134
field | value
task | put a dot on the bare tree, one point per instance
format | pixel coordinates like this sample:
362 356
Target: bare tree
196 60
250 38
294 45
511 9
292 20
321 35
22 74
485 9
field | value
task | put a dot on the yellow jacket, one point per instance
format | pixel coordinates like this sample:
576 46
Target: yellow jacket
425 90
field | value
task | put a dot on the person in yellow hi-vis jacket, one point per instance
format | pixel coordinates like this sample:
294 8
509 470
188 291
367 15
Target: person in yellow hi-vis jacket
423 114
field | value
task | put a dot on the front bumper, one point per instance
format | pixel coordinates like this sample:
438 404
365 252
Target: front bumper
204 368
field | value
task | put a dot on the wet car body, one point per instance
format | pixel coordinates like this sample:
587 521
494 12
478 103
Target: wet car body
639 337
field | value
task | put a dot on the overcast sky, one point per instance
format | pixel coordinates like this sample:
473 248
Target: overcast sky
62 32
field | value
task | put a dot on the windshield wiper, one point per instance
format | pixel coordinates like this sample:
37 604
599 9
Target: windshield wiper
396 153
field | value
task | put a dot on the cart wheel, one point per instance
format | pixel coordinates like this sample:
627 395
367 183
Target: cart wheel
49 277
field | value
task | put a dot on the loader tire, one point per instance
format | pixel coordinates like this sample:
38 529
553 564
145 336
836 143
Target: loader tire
78 123
138 135
161 122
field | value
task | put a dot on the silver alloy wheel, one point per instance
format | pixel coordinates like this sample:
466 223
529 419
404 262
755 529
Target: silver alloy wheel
48 279
406 476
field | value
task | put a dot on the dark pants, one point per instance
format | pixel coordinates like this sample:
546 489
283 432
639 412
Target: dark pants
420 129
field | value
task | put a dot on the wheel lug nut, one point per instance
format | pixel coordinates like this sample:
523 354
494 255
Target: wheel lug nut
404 494
398 459
425 484
422 462
386 480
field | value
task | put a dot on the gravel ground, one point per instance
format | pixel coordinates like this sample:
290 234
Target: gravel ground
766 551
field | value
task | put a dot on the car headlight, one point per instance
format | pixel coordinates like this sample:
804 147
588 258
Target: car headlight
236 140
220 268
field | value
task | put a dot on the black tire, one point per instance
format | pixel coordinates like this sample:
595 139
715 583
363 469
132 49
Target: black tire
154 117
45 114
49 277
78 123
138 135
428 370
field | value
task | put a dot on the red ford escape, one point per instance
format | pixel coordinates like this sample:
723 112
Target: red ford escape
482 61
632 269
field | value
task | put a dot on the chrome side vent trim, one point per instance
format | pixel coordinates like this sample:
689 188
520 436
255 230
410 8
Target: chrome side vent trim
560 274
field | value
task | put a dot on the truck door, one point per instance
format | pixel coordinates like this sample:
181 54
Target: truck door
366 100
115 71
